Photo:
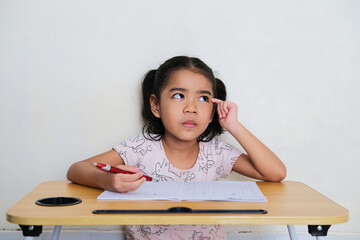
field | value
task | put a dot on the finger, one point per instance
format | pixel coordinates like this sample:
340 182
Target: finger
220 104
226 107
222 109
127 177
130 186
219 110
135 185
215 100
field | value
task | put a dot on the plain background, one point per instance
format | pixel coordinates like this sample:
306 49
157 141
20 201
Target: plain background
70 74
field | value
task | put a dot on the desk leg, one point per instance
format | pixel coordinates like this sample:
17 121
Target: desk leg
29 232
56 232
292 232
318 231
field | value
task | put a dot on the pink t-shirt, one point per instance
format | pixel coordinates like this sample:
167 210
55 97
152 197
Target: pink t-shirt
215 160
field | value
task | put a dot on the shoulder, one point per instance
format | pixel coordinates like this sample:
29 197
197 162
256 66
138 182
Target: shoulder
136 148
217 144
137 142
219 147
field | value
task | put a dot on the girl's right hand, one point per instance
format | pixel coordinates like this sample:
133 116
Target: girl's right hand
85 173
121 182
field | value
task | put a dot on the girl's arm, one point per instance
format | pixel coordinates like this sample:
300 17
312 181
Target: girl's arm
85 173
259 162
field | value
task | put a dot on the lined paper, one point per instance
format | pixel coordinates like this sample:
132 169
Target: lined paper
192 191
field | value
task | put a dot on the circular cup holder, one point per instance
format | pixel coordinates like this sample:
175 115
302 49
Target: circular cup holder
58 201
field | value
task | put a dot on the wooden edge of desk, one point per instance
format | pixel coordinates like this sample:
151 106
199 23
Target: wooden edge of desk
128 219
15 215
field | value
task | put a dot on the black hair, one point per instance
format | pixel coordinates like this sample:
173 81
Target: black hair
154 82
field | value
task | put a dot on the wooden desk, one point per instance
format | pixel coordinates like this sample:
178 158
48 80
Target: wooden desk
289 203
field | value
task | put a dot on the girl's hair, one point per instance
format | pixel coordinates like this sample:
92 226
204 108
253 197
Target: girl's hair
154 82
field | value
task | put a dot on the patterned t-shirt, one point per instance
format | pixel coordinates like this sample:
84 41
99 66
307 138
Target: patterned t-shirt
215 160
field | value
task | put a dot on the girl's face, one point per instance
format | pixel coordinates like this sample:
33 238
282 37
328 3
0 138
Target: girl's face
185 106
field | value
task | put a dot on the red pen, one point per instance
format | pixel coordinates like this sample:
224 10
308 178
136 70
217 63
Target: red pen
111 169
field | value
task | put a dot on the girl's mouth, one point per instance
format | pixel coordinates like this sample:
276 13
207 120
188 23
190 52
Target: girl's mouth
189 124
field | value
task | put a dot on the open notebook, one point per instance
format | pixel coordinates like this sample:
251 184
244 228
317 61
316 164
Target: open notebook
192 191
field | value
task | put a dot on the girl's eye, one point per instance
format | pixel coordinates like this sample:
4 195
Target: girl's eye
204 98
178 96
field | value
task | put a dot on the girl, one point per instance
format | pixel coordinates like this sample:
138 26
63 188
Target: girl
184 108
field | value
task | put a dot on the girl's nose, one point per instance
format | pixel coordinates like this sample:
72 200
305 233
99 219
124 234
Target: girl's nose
190 107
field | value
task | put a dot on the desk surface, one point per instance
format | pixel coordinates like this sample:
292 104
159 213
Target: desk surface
289 203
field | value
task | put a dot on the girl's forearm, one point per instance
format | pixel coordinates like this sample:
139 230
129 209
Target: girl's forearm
264 160
85 173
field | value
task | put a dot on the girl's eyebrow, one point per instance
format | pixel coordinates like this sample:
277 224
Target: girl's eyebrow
205 92
175 89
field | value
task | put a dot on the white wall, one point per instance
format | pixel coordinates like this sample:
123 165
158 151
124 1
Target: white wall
70 73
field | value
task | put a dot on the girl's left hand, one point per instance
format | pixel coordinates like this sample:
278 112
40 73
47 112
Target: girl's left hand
228 113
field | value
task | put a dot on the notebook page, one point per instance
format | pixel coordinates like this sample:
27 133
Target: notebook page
149 191
192 191
223 191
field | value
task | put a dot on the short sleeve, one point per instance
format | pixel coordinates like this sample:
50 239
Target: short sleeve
226 155
131 150
216 159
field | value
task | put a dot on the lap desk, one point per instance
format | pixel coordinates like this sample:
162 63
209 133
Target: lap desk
289 203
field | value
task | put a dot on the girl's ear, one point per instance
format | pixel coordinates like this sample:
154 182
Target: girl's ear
155 106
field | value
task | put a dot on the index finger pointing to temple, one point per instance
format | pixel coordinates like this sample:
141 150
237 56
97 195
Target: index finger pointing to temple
215 100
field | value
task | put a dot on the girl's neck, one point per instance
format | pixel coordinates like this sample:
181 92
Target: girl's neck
181 154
